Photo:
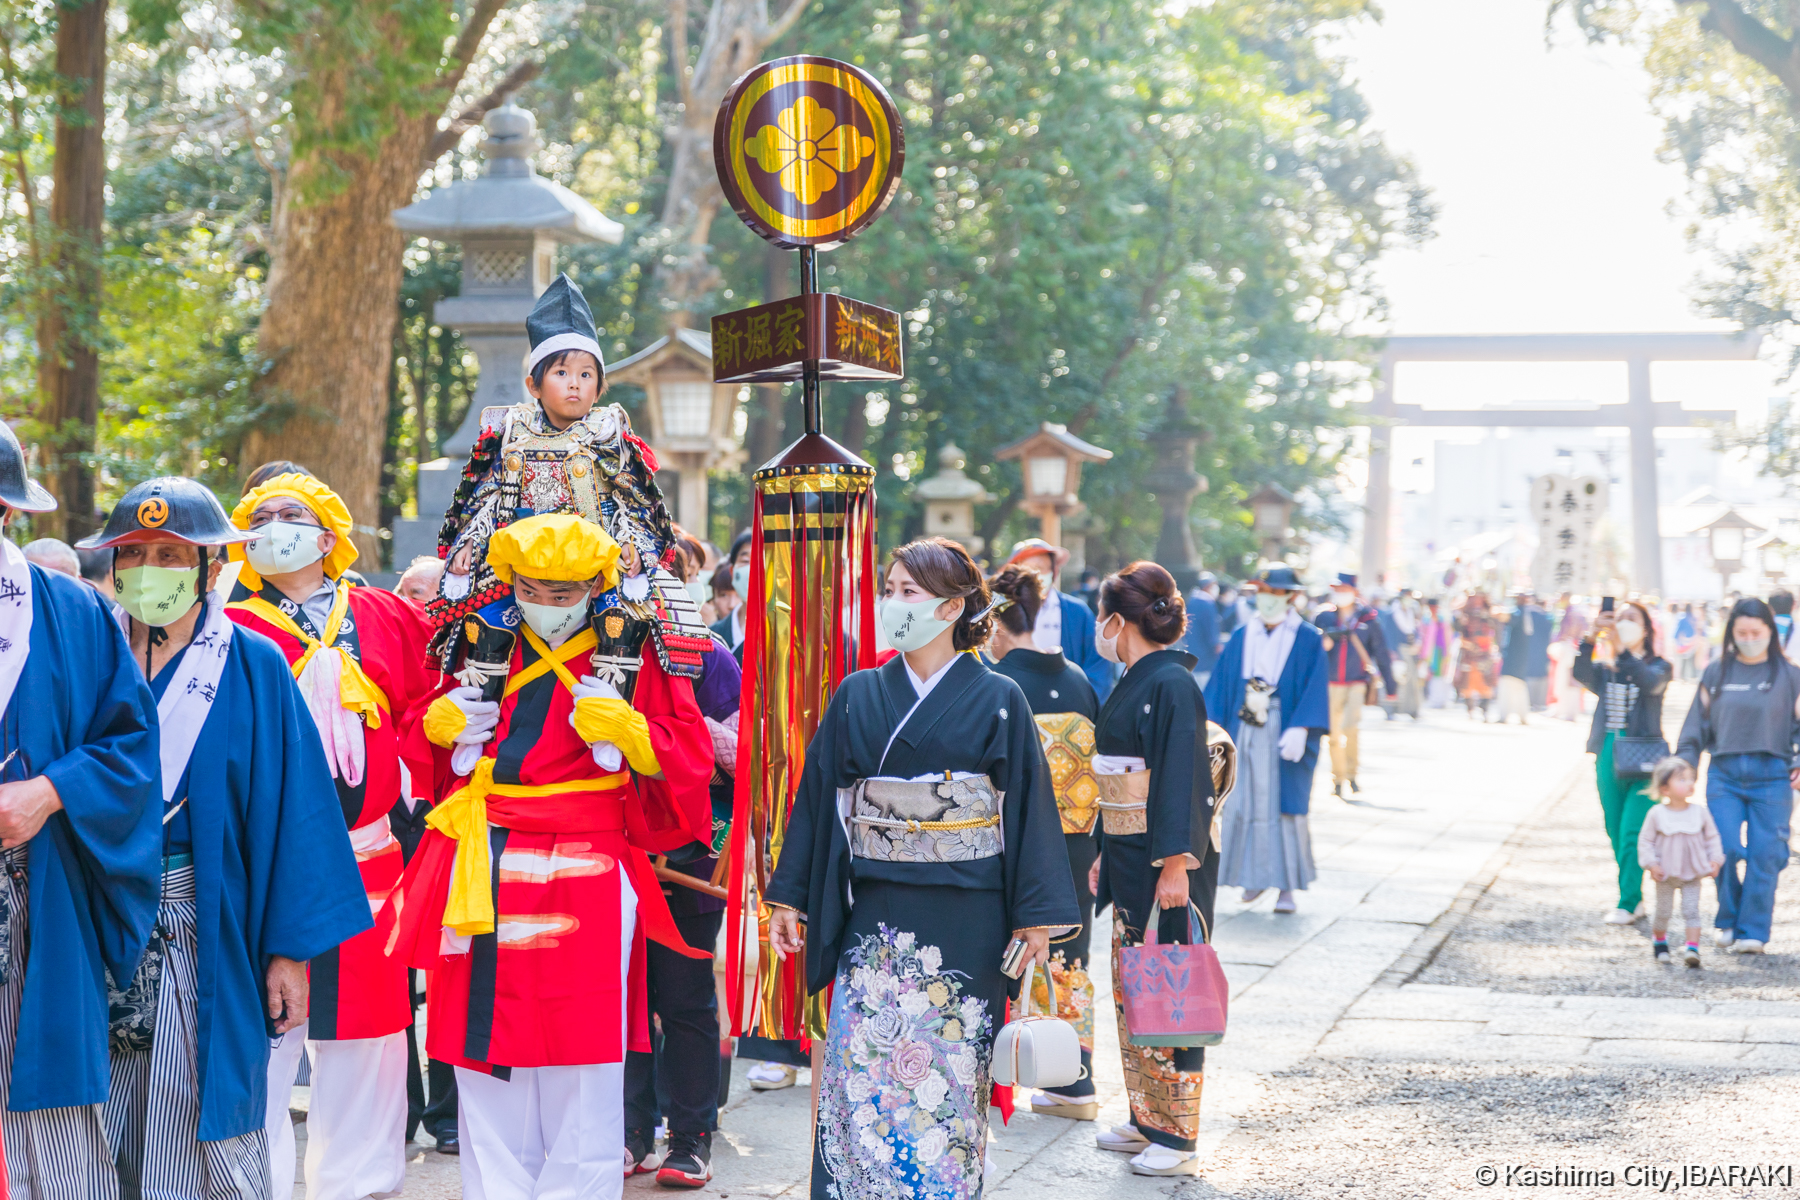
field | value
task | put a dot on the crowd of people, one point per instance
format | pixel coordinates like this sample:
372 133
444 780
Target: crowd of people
249 804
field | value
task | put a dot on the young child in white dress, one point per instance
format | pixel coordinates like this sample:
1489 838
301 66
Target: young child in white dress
1679 846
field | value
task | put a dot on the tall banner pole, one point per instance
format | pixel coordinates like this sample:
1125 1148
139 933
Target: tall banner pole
809 151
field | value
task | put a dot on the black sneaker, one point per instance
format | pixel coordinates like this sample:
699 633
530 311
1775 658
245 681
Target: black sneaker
1356 787
689 1161
1660 952
640 1152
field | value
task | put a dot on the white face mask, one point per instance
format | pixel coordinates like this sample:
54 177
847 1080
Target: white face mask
284 548
911 626
1631 634
740 579
1270 607
1754 647
552 622
700 591
1108 646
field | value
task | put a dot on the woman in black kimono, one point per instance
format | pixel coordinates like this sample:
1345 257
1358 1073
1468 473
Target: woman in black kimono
1156 810
1063 706
923 837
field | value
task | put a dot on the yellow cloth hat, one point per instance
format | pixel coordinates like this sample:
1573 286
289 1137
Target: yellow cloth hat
557 546
324 504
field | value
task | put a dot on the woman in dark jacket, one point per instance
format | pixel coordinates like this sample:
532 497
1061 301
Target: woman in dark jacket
1620 666
1063 706
1747 716
1156 812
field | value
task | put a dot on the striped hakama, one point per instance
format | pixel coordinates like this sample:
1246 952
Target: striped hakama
152 1116
54 1153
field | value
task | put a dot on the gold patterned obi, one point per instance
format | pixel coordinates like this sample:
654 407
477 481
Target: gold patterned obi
1068 740
925 821
1124 801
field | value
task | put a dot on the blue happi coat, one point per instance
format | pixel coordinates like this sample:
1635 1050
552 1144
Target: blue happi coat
81 716
1301 693
273 870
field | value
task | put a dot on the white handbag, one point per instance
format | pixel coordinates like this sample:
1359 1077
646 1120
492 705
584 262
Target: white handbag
1036 1052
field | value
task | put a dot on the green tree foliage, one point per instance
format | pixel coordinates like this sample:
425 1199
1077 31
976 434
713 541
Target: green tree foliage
1101 201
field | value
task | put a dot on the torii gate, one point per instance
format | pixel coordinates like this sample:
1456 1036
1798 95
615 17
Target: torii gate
1640 414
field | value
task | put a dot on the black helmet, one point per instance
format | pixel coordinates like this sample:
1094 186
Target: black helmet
17 490
170 507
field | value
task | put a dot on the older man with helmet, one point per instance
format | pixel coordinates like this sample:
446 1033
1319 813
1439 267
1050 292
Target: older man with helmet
254 880
79 855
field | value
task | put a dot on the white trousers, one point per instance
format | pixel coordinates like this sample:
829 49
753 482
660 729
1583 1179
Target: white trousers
548 1133
355 1124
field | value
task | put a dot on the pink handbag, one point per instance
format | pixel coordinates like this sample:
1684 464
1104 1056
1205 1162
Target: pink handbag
1174 995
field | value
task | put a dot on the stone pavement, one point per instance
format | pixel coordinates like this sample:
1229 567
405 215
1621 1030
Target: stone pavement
1343 1073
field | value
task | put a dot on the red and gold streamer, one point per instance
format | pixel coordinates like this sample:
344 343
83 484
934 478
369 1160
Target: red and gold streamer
810 621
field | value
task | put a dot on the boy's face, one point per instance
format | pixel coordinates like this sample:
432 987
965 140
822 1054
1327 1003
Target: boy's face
569 389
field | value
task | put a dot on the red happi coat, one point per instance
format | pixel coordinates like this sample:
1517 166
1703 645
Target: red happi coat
357 990
543 989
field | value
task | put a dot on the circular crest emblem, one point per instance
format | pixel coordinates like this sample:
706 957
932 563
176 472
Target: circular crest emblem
809 150
153 512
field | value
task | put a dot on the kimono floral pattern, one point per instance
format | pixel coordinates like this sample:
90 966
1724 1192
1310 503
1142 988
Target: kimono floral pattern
903 1106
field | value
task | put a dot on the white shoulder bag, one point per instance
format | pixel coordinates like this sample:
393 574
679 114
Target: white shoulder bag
1036 1052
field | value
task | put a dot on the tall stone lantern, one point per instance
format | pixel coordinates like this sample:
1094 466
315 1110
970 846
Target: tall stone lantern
690 417
509 221
1175 483
950 498
1050 461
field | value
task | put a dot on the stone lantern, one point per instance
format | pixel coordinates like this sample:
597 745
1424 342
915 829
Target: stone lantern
1271 518
1175 483
689 417
1050 461
509 221
950 498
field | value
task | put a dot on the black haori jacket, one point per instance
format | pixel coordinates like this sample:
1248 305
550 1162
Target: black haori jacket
974 720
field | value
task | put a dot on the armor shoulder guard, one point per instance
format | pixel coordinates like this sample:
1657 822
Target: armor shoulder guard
682 639
493 420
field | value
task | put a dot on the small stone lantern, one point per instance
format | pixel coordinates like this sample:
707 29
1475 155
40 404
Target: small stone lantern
950 498
1050 461
689 417
509 221
1271 517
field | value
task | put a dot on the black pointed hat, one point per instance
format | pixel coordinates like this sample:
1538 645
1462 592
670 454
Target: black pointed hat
561 320
17 489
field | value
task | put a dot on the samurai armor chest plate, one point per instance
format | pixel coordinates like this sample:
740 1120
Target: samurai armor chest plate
935 821
1068 740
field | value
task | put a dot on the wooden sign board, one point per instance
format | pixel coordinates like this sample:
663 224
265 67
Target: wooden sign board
808 150
771 343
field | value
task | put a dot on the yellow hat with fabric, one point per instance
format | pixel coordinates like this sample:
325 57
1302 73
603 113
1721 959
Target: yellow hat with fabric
561 547
325 505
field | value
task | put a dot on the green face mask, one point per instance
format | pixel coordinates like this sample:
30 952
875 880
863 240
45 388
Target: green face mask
157 595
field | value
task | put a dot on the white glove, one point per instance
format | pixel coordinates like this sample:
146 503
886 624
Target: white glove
482 715
1293 743
606 755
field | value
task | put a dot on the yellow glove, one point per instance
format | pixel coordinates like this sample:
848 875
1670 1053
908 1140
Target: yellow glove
603 719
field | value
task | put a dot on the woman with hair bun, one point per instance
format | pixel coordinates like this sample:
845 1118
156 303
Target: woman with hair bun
1063 705
1156 813
923 838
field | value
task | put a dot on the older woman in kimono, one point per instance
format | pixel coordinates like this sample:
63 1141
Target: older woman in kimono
1269 694
924 836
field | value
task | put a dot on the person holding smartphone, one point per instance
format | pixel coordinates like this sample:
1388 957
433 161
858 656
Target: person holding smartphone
1619 664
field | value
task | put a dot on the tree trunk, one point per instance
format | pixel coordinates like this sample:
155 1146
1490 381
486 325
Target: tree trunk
329 328
334 286
67 333
737 32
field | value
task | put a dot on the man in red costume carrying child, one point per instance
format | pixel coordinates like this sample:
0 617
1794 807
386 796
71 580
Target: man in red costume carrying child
531 896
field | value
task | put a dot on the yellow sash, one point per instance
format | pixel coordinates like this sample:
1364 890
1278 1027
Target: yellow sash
356 691
552 660
470 908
